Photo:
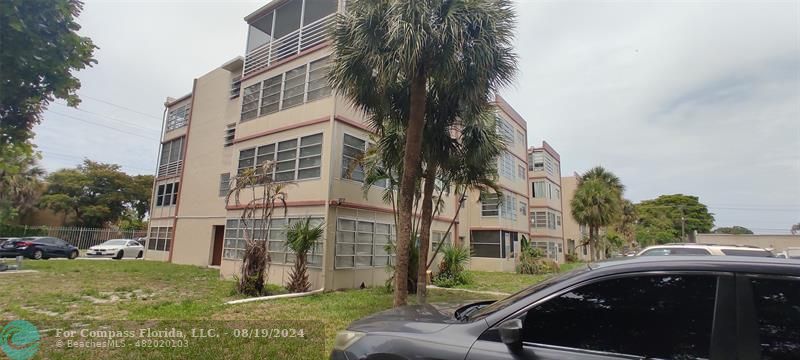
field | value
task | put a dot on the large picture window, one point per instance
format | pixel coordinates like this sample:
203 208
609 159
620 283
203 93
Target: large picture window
361 243
291 162
492 243
236 234
545 219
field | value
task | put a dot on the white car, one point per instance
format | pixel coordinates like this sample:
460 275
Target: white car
117 249
683 249
790 253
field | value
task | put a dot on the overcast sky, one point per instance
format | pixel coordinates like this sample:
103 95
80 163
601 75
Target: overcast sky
699 98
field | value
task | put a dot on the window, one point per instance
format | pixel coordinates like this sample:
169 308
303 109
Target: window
230 134
548 164
549 248
505 131
291 162
551 220
490 205
675 251
521 171
536 161
492 243
236 235
299 85
171 157
236 86
361 243
159 239
352 154
521 137
436 238
545 189
224 184
558 220
294 87
538 219
778 313
167 194
676 309
318 87
250 102
505 165
507 209
178 117
539 189
523 207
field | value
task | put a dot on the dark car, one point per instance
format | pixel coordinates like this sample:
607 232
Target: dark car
38 248
668 307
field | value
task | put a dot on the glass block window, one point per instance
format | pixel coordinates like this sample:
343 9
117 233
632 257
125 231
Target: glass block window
362 244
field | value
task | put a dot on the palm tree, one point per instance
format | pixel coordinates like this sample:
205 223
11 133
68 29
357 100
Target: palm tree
300 238
599 172
595 204
389 54
20 190
259 196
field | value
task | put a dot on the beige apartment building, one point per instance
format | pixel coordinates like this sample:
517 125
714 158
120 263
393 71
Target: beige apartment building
574 233
545 208
274 104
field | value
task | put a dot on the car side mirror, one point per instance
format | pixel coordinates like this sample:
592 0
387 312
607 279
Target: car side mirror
511 333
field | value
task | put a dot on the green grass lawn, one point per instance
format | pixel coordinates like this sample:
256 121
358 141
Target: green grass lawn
509 282
65 292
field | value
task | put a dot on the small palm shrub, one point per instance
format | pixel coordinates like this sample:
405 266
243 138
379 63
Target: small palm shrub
300 239
533 261
453 266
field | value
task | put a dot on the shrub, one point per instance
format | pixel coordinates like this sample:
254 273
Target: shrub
533 261
571 257
8 230
452 268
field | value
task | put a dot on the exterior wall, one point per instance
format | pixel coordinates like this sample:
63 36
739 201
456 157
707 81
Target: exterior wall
572 230
777 243
551 203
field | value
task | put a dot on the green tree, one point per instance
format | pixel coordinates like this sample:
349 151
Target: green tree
20 188
390 51
595 204
300 239
607 177
140 194
97 194
795 229
40 51
684 214
735 230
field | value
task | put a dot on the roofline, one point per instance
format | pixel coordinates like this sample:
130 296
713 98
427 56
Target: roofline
173 102
548 149
260 11
508 109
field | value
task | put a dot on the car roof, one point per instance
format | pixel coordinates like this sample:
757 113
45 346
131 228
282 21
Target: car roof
720 263
705 246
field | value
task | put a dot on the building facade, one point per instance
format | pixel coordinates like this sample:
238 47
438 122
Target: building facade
574 234
274 104
545 208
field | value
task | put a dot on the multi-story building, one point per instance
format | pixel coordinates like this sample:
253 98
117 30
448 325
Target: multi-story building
575 234
274 104
545 215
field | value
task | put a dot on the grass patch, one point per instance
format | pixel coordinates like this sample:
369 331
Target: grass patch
145 290
509 282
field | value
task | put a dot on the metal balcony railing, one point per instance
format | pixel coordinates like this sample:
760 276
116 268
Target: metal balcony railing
170 169
290 44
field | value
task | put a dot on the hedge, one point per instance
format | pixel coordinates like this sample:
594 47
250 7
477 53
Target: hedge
7 230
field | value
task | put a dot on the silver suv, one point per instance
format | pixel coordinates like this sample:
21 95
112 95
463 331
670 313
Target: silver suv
704 249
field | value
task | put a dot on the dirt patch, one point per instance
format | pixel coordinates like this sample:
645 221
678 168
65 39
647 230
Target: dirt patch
41 311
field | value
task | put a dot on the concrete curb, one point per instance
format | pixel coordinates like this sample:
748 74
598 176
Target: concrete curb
470 291
272 297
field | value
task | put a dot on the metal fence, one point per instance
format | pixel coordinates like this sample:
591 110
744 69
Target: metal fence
82 237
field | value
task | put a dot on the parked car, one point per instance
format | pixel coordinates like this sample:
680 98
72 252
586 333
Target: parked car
4 239
7 253
789 253
117 249
37 248
716 307
705 249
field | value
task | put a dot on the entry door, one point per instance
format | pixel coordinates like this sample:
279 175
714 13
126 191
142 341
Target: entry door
219 237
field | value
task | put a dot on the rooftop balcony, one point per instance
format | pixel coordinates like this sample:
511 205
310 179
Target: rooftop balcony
286 29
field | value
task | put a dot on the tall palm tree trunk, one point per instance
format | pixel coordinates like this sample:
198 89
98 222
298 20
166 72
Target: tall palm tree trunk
411 163
425 232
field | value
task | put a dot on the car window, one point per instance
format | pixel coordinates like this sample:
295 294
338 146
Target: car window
134 243
663 316
501 304
46 241
656 252
115 242
777 303
742 252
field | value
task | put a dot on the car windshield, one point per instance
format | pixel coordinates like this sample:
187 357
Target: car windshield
502 304
115 242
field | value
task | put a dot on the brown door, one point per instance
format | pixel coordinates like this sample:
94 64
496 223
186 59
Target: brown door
219 236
